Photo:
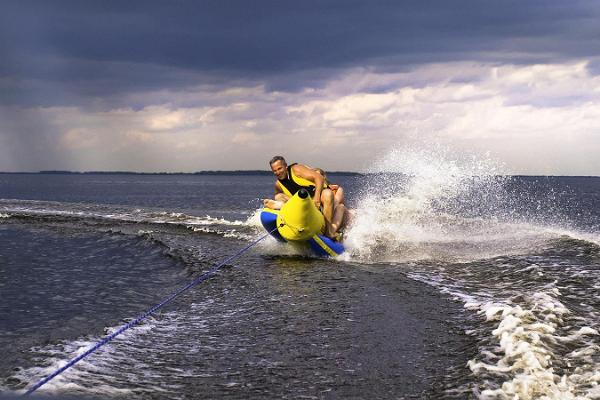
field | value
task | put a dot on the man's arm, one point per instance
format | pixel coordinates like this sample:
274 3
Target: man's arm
277 189
278 198
308 173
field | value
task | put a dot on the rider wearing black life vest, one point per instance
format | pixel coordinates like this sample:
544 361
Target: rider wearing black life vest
291 179
294 177
292 183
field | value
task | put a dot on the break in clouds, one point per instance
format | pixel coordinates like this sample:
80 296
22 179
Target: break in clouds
192 86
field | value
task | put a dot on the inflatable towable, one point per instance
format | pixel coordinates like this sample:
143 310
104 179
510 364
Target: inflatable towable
299 222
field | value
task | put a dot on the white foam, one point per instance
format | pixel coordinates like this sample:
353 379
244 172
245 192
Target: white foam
254 219
591 237
95 374
39 208
179 218
225 233
524 358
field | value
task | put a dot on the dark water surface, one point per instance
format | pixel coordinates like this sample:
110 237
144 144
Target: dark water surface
489 291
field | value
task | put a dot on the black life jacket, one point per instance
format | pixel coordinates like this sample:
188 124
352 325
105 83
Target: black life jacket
293 183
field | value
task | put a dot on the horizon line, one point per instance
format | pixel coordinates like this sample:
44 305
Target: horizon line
237 171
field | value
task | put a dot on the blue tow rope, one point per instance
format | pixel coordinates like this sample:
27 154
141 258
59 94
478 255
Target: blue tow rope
143 316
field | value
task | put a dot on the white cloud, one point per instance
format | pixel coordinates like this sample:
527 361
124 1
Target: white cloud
250 139
537 119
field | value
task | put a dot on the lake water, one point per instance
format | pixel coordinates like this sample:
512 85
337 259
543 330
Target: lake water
453 286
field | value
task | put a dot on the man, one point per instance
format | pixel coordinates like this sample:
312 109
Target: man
294 177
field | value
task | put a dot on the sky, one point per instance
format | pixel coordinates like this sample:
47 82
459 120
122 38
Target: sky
225 85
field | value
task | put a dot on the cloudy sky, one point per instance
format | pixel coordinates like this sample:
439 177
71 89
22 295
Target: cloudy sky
201 85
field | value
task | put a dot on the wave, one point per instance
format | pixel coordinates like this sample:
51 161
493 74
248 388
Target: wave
86 377
154 221
128 365
59 212
532 343
532 337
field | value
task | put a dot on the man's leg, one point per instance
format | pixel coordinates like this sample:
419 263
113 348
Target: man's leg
281 197
338 197
273 204
327 204
337 222
276 204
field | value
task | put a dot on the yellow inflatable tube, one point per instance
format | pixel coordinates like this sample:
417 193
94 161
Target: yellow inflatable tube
301 223
300 218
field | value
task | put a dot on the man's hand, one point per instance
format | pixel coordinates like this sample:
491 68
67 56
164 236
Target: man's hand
317 203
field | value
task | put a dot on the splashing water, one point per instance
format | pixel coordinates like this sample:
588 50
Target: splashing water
424 204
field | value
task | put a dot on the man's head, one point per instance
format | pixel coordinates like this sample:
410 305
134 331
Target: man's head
279 167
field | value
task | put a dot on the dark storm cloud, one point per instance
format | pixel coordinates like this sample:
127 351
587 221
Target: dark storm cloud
69 52
28 142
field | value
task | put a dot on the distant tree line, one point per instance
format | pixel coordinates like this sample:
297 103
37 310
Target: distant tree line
235 172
